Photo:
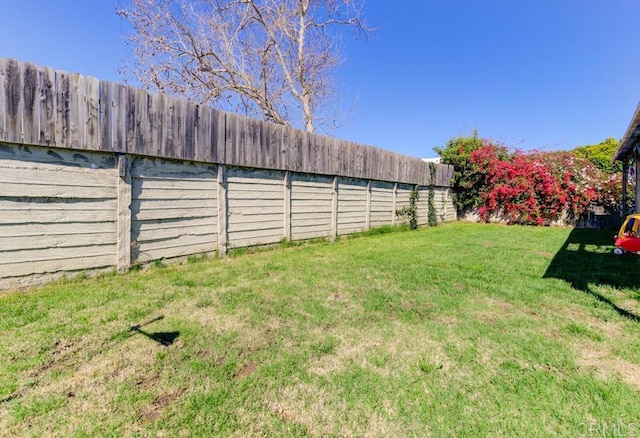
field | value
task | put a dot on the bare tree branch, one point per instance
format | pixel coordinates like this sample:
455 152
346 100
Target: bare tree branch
269 59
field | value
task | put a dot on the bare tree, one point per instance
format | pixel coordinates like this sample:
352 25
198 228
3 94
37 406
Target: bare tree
269 59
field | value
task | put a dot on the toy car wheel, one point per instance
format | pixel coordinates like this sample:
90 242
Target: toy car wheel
618 251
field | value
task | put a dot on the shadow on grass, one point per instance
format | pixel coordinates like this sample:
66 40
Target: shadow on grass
586 259
163 338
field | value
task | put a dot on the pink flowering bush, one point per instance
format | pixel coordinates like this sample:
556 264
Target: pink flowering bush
538 188
519 189
580 179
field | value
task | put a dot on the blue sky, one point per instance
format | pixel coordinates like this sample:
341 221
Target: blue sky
533 74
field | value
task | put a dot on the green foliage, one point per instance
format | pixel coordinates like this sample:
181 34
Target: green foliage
196 258
580 330
411 211
468 180
288 243
433 220
428 367
384 229
327 345
413 205
601 155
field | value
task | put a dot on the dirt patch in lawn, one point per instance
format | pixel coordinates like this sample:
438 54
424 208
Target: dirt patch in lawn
247 369
158 407
605 365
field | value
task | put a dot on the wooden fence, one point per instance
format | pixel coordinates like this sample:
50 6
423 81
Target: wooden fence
98 175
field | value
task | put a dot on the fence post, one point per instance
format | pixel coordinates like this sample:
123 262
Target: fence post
223 212
334 209
368 218
123 237
393 203
287 206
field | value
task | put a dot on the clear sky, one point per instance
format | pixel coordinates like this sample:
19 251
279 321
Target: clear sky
533 74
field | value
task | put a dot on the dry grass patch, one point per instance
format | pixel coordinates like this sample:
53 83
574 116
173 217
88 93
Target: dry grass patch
598 359
308 406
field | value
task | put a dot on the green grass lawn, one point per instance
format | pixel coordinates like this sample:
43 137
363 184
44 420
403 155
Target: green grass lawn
459 330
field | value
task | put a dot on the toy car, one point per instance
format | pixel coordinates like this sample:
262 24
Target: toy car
627 239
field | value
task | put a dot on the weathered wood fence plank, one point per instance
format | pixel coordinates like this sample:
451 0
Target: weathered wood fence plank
47 110
92 113
202 132
120 114
40 106
77 111
14 101
31 117
62 109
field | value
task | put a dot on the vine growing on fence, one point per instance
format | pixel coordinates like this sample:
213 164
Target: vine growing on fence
411 211
433 220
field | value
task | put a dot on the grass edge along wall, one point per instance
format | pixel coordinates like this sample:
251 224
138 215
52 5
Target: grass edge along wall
69 202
